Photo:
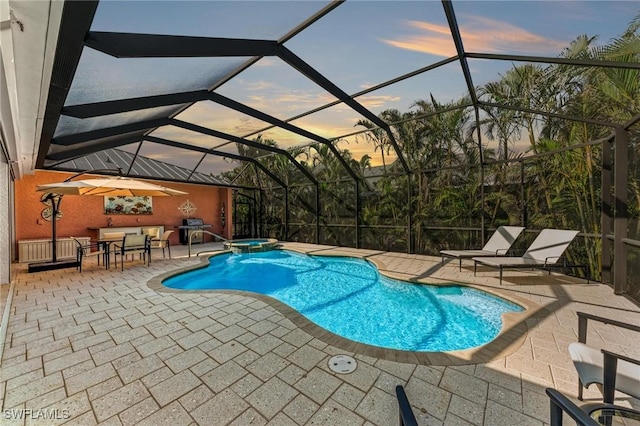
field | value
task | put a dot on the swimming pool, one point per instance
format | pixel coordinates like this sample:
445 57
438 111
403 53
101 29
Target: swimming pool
348 297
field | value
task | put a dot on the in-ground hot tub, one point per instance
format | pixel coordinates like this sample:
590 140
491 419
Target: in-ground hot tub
251 245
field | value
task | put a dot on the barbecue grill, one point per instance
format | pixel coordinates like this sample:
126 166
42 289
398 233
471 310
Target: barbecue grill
190 224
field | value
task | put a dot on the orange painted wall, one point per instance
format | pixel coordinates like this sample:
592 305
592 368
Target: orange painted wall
82 212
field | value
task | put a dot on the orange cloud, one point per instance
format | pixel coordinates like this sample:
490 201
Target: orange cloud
377 101
281 102
479 34
431 38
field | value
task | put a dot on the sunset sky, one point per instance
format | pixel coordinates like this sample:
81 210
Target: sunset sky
358 45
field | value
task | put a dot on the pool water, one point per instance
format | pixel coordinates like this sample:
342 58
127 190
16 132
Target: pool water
348 297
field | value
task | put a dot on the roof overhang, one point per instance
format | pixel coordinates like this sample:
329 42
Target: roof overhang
28 39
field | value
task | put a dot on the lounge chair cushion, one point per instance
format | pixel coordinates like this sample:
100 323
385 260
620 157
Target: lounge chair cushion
550 244
467 253
509 261
499 243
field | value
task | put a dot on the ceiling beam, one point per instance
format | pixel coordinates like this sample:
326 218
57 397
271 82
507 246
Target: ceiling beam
181 145
132 45
69 154
631 122
77 17
466 71
165 179
412 118
457 41
549 114
237 106
97 109
252 144
558 60
77 138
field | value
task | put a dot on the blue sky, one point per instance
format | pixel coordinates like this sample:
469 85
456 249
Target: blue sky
358 45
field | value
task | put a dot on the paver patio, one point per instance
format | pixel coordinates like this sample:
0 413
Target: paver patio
102 347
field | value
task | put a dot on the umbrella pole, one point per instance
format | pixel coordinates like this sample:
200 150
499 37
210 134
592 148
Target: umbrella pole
55 208
54 264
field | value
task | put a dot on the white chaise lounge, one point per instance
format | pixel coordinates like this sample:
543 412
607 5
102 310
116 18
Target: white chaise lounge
544 252
498 245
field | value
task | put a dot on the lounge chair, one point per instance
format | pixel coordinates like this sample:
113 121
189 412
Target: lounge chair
498 245
545 252
608 370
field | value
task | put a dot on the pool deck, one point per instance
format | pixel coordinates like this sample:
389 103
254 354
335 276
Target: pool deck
103 347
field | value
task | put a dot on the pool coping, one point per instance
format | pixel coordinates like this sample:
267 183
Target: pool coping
511 337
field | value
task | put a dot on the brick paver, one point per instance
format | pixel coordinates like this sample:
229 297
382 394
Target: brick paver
106 348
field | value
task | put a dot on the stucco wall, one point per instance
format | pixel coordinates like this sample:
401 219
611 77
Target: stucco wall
82 212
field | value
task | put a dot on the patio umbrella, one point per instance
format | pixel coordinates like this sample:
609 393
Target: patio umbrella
111 186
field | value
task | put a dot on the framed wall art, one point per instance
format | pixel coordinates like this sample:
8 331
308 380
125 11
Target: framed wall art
127 205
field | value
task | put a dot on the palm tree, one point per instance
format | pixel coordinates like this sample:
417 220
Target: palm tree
378 138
